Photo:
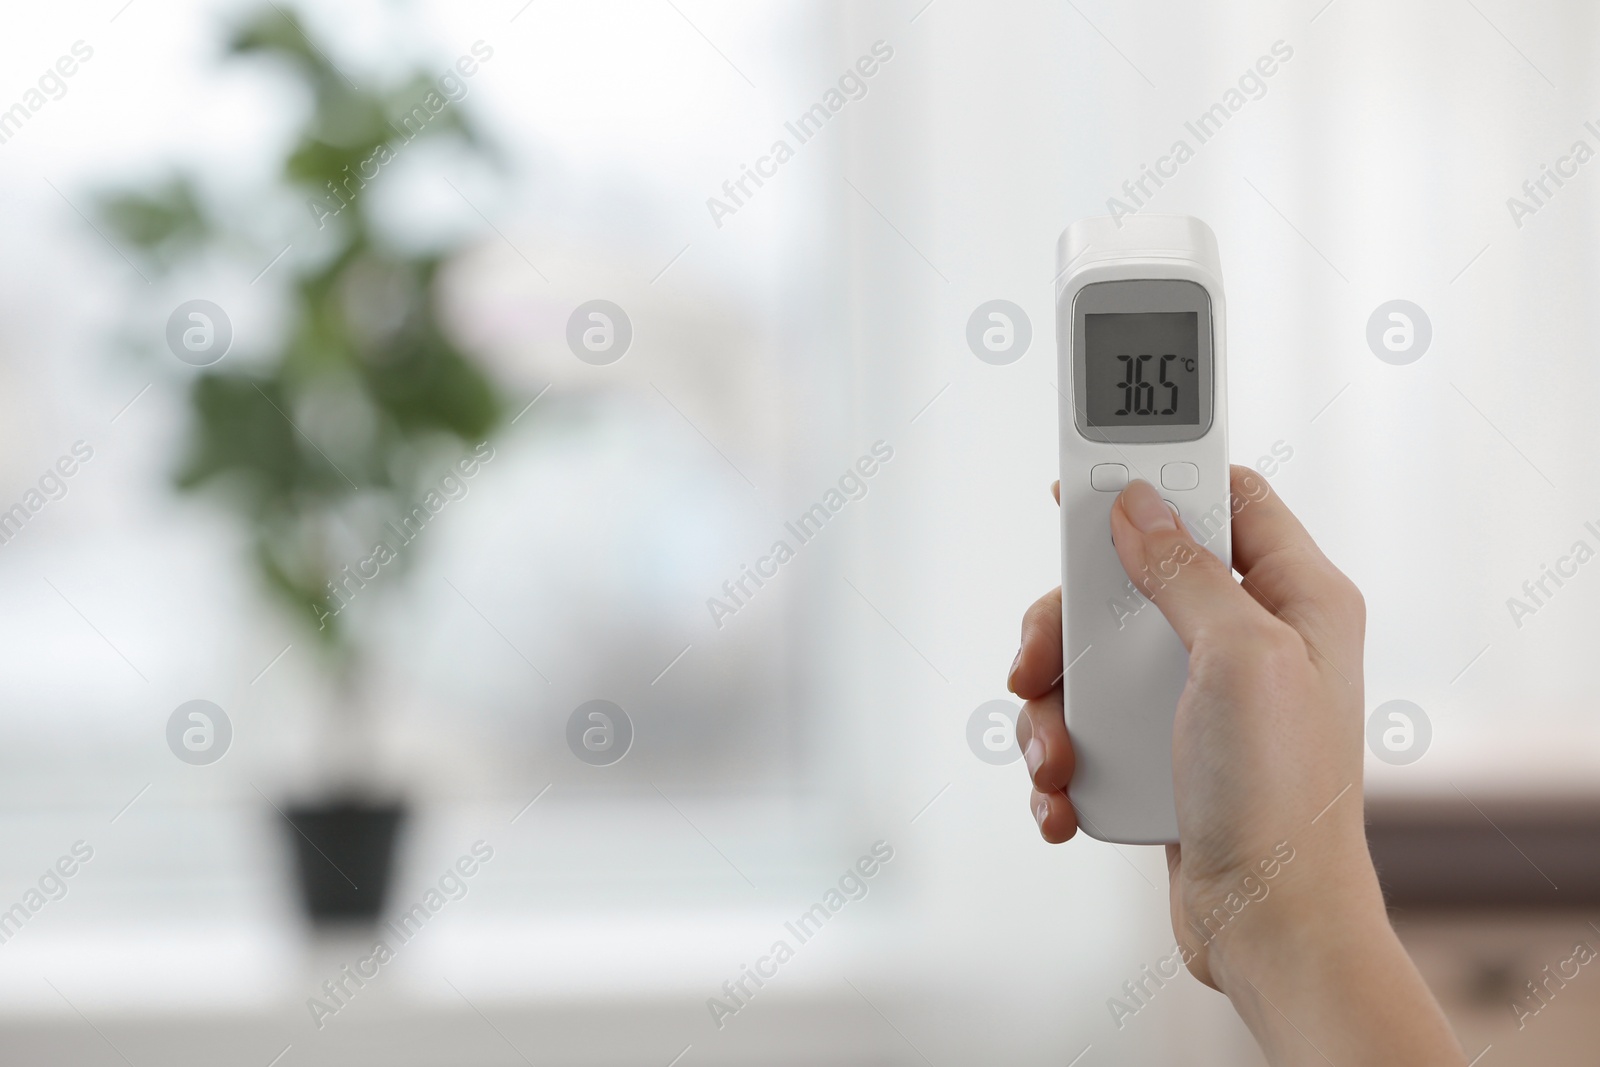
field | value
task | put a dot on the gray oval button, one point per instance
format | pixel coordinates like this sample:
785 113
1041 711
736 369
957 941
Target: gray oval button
1180 476
1108 477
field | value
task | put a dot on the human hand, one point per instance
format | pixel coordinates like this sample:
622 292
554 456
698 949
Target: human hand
1267 743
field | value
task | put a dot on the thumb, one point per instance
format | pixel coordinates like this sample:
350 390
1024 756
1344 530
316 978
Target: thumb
1193 588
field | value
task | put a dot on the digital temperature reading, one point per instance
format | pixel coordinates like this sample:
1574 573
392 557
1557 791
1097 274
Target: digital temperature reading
1142 369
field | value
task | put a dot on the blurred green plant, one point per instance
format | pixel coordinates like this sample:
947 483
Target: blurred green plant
364 350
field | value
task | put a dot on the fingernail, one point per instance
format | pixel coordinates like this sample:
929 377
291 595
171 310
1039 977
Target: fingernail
1033 756
1041 811
1011 675
1146 510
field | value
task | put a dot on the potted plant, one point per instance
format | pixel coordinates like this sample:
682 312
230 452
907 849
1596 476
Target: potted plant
321 444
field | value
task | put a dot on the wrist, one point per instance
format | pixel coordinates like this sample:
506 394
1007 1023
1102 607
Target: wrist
1323 974
1315 913
1300 941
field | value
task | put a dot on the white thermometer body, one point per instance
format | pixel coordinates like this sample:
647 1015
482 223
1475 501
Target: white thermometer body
1140 341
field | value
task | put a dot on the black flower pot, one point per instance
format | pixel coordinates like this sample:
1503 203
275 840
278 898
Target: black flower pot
344 857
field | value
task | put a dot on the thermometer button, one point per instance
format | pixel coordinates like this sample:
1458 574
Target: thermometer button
1108 477
1180 476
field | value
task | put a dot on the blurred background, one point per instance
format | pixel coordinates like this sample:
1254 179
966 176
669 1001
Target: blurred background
400 217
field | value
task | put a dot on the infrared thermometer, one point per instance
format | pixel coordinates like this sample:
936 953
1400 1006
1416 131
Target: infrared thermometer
1140 343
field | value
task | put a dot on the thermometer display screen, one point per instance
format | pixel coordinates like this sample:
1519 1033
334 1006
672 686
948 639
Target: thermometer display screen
1142 369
